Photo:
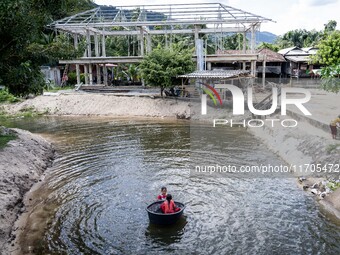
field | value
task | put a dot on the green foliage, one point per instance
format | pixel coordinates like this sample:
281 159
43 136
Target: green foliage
329 50
333 185
49 50
299 38
72 78
330 26
162 65
330 76
4 139
132 72
233 42
329 55
121 45
270 46
5 96
23 47
330 148
24 79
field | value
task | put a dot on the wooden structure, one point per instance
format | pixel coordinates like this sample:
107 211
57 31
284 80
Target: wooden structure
140 22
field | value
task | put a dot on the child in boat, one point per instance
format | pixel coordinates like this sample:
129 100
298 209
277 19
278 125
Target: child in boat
169 205
162 196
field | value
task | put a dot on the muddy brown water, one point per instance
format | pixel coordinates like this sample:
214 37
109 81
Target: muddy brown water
93 199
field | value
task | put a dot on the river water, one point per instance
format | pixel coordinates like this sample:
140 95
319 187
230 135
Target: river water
93 198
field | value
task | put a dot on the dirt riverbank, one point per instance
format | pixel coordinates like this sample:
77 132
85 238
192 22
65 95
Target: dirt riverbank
102 104
314 157
23 161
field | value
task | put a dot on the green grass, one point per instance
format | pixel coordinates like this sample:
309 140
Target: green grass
4 139
333 186
332 147
26 112
57 88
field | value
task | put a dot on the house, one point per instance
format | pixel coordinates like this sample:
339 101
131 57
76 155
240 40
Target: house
298 61
51 74
273 61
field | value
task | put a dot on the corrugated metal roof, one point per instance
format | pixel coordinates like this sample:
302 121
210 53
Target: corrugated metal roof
215 74
296 51
272 56
298 58
310 50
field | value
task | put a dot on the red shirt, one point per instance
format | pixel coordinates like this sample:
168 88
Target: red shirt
167 207
161 197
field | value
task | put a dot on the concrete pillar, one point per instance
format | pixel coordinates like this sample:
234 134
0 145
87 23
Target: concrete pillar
244 49
104 55
252 48
208 65
77 65
105 75
86 72
196 33
252 42
141 41
96 50
148 43
89 54
199 54
264 72
103 46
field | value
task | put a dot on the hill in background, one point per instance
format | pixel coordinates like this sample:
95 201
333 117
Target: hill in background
266 37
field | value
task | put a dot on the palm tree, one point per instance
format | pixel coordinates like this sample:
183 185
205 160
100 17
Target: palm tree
132 73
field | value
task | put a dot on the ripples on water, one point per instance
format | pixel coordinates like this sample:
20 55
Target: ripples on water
94 197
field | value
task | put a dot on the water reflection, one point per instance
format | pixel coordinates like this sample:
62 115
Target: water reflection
166 234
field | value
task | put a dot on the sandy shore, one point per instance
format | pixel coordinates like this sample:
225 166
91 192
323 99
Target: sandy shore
103 104
23 161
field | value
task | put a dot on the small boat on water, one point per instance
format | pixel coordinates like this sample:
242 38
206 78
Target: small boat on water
156 216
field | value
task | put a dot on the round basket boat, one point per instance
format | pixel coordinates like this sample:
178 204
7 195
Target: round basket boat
156 216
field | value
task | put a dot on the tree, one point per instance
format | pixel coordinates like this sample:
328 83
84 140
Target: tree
22 46
132 73
329 55
329 50
17 72
233 42
299 38
264 45
330 26
160 67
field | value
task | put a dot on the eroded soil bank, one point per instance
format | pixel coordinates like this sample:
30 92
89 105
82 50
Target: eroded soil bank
23 161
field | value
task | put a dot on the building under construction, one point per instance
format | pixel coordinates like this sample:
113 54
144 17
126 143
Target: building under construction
140 23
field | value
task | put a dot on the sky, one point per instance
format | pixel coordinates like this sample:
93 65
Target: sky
288 14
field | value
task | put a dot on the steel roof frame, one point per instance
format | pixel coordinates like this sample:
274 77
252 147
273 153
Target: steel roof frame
223 18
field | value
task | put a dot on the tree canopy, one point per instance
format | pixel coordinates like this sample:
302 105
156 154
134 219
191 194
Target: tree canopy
25 44
329 55
162 65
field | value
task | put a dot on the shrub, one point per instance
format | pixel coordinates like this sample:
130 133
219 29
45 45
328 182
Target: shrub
5 96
